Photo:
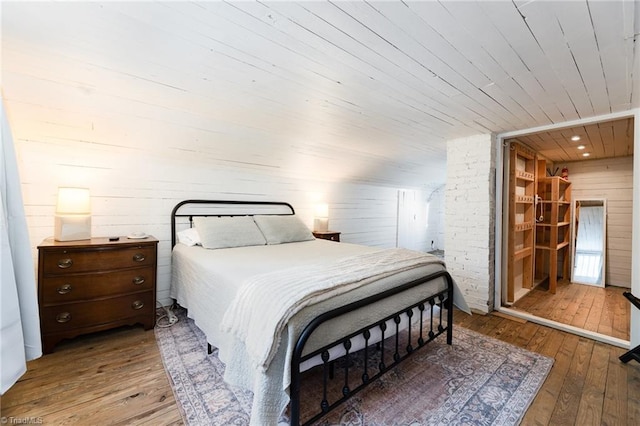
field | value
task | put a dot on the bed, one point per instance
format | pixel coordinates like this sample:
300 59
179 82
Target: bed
278 307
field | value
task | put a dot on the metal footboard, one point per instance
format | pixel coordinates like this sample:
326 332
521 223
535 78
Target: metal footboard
404 343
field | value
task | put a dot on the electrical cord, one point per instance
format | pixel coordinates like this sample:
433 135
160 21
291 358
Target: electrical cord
170 317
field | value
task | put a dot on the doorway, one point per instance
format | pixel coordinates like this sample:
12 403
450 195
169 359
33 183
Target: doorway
578 308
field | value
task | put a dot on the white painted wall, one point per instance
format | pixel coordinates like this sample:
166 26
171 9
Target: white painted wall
611 179
112 110
470 201
436 219
137 193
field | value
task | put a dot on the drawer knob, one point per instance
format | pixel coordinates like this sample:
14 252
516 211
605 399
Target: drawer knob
63 317
65 263
64 289
138 304
139 257
138 280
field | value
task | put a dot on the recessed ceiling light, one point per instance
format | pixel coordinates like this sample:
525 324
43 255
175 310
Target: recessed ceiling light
585 154
581 147
575 138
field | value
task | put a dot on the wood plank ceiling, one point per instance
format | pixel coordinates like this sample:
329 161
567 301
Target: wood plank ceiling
375 87
606 139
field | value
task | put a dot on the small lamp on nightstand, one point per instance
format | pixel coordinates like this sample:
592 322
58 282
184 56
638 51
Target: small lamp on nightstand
321 219
73 214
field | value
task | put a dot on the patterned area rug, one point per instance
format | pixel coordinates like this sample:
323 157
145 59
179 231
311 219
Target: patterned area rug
476 381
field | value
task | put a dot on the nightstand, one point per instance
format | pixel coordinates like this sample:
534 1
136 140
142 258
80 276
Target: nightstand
93 285
327 235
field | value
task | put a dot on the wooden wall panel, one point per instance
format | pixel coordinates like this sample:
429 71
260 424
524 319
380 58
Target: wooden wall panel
435 228
611 179
137 192
150 103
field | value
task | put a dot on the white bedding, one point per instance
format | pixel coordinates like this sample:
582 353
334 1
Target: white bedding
206 282
283 293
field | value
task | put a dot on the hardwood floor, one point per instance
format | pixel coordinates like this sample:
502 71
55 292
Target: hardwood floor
117 377
587 385
113 377
603 310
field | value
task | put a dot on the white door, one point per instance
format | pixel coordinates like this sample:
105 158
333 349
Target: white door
408 231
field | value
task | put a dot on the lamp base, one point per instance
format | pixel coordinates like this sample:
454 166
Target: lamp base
321 224
72 227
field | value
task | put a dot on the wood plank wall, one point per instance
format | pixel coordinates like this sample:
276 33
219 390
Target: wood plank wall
611 179
435 221
137 169
137 194
146 114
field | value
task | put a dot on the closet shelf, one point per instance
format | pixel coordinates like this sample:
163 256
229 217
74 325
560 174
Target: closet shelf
522 253
552 178
552 235
554 202
548 246
522 223
550 224
539 280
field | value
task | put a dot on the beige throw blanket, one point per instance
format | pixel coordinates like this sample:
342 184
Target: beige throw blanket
264 304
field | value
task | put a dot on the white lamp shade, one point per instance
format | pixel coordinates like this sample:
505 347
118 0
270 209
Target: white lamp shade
73 215
73 201
322 210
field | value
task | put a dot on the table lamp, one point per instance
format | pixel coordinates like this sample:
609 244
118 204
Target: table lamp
321 219
73 214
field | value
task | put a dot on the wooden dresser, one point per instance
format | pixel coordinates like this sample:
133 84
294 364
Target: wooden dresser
92 285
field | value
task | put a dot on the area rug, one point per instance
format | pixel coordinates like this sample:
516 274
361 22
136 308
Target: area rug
476 381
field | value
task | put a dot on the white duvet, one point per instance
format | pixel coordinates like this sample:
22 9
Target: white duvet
206 282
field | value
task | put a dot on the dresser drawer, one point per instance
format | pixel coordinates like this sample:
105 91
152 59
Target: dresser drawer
86 314
96 284
73 287
72 261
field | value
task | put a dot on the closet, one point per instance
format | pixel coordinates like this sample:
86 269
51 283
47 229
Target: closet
553 227
539 224
522 166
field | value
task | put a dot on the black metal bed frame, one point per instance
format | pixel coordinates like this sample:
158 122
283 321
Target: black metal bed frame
190 216
413 339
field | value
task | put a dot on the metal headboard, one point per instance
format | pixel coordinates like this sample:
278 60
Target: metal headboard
209 209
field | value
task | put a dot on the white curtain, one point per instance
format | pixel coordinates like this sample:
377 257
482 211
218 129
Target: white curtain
20 323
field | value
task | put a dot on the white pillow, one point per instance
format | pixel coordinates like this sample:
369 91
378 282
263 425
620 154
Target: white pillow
189 237
225 232
283 229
